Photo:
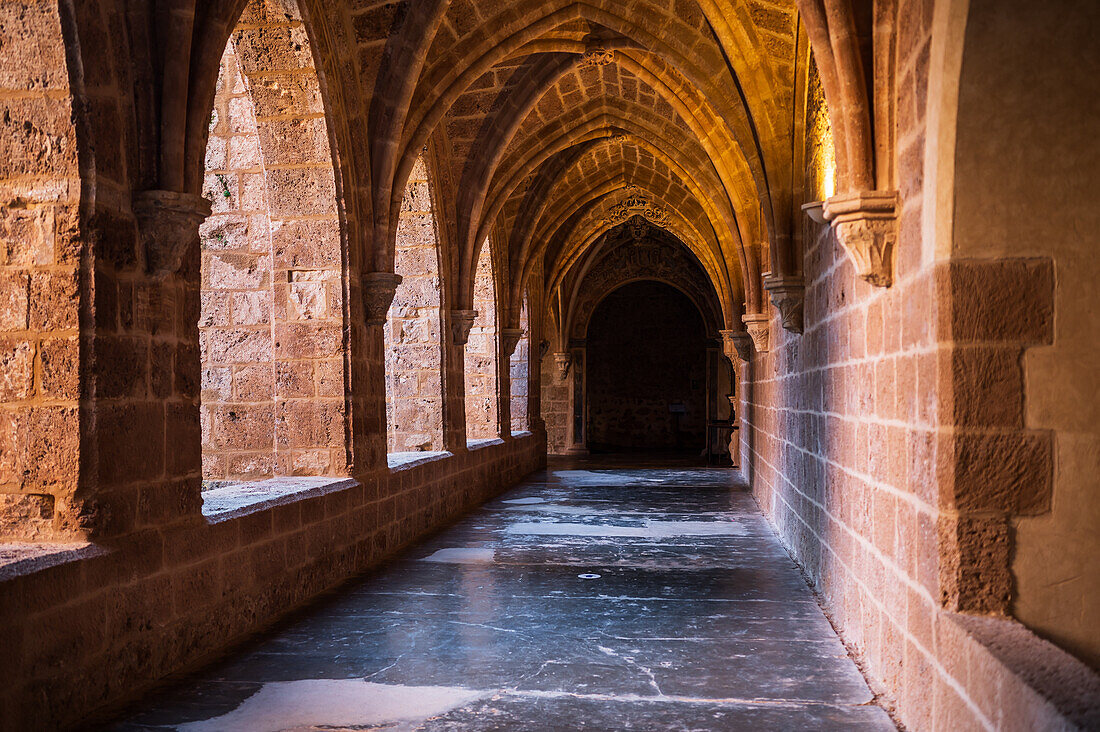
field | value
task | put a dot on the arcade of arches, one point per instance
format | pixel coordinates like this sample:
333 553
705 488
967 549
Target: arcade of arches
287 285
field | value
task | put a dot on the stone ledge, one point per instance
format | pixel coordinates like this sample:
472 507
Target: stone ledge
221 504
405 460
482 443
1057 690
18 559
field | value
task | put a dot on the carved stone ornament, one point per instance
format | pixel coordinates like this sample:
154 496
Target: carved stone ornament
759 330
169 224
736 345
866 225
788 295
636 204
563 361
596 54
544 348
511 338
461 322
378 291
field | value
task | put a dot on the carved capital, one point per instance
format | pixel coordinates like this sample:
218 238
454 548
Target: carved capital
378 291
461 322
757 324
511 338
562 361
736 345
168 222
866 225
788 295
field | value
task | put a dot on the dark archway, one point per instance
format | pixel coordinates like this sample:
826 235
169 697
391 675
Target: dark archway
646 371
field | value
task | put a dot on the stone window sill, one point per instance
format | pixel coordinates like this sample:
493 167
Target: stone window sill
406 460
479 444
521 433
21 558
242 499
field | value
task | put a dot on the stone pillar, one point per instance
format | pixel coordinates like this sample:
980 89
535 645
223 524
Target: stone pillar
578 427
141 442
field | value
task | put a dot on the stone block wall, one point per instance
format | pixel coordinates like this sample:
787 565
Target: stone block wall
519 384
235 327
414 387
482 419
271 329
40 295
83 626
889 446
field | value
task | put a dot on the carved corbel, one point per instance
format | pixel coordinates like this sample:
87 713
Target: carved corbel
788 295
378 291
461 323
563 361
511 338
168 223
736 345
757 324
866 226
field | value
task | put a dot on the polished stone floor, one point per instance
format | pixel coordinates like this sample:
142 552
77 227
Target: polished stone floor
598 595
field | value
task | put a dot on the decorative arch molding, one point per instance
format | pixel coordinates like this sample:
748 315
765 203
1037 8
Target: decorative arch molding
625 258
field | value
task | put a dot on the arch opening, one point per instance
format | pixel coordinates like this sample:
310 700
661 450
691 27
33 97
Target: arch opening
414 389
271 327
645 371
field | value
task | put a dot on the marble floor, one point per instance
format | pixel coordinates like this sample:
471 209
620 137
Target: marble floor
597 595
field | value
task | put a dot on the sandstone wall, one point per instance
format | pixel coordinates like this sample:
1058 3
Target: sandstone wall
888 443
482 419
518 365
414 388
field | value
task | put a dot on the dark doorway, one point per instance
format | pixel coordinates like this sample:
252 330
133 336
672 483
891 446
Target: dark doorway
646 372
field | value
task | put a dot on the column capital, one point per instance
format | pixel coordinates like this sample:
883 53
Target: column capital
866 224
379 289
788 296
461 323
168 223
759 329
736 345
511 338
562 361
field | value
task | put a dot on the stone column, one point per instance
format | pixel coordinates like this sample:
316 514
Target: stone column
578 427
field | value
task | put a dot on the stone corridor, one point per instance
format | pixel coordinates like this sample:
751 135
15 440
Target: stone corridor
594 595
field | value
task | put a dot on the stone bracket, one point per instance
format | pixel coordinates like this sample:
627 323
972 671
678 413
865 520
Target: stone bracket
866 226
379 289
511 338
759 329
563 361
168 223
788 296
461 323
736 345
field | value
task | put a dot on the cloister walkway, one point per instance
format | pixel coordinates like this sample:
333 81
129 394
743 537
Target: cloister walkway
601 596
